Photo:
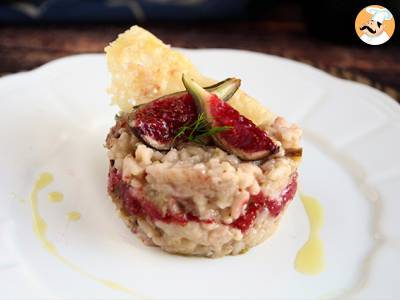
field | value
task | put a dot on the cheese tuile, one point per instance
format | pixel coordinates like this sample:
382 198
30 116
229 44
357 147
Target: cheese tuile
143 68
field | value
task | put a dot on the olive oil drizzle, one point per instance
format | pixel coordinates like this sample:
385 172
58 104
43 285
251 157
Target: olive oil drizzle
40 229
310 259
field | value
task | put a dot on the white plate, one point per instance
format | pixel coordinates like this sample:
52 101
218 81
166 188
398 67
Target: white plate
55 119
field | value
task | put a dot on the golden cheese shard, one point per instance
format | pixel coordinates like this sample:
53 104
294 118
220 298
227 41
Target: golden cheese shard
143 68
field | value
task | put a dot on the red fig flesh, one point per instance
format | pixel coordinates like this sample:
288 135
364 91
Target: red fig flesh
158 122
243 138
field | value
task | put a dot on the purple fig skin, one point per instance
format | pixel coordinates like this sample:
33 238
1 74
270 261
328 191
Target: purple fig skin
156 123
243 139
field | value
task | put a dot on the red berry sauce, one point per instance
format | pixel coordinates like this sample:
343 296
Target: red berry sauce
258 202
134 203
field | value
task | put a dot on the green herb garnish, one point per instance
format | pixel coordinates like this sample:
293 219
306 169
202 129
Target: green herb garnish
199 129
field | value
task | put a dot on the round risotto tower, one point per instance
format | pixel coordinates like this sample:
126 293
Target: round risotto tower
198 199
192 175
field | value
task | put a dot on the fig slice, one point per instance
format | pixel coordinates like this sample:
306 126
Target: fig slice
157 123
242 138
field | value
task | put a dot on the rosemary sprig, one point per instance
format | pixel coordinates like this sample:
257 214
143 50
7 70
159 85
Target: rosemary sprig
199 129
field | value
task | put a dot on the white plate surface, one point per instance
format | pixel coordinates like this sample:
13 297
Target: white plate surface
55 119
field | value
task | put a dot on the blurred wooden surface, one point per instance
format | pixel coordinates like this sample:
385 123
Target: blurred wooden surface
24 48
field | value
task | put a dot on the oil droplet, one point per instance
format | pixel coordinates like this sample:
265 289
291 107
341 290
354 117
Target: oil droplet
74 216
40 229
310 259
55 197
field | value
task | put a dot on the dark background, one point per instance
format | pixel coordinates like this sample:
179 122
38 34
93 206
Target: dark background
318 33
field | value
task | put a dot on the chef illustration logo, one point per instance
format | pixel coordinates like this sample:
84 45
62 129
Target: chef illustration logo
374 25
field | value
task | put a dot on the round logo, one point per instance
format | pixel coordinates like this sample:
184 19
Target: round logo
374 25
